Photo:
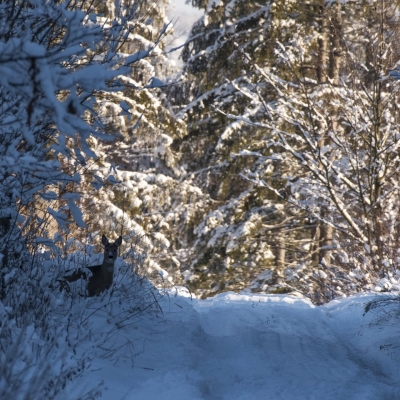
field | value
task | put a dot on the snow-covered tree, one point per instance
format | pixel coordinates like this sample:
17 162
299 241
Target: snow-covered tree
252 70
145 202
58 61
240 235
335 118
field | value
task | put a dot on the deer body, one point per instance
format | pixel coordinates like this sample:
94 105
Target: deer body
102 275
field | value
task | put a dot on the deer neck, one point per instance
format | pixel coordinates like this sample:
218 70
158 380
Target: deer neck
108 267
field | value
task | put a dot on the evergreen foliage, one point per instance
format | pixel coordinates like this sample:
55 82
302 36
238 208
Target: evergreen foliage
240 236
291 110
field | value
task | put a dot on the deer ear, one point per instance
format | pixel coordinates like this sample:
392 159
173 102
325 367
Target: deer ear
104 240
118 242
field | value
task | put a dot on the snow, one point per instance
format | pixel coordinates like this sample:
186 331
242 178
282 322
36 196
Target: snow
183 16
246 346
75 210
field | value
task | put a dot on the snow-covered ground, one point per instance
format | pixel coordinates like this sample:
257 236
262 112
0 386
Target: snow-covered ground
253 347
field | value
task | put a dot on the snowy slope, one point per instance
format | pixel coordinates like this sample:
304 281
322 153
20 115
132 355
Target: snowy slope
255 347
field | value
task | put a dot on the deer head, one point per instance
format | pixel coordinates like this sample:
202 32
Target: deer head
110 250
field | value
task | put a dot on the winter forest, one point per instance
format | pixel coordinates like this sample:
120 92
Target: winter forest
265 162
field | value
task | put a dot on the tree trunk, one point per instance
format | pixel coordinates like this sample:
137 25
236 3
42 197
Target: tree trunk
336 52
280 258
323 59
323 233
316 243
325 242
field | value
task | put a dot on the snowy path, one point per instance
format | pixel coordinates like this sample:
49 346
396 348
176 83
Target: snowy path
258 347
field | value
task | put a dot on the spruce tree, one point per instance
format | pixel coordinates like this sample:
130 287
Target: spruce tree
253 71
240 235
335 118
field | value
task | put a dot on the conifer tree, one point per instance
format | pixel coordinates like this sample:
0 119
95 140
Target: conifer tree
240 235
337 124
143 199
246 64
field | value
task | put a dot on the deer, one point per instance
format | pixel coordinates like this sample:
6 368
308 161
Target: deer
101 277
